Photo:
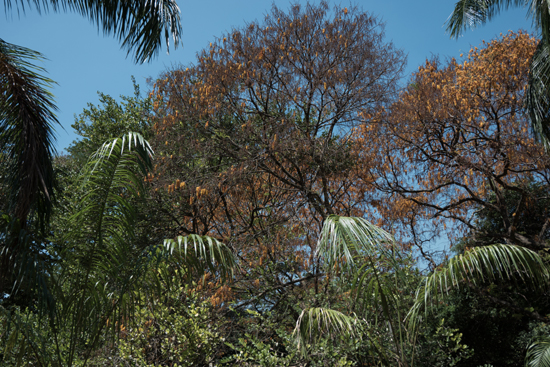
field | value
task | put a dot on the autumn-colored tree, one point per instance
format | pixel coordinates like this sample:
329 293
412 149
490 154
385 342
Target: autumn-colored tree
457 142
254 140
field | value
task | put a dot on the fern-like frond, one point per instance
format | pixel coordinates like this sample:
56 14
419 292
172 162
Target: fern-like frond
538 353
316 323
468 14
199 253
537 96
104 285
140 25
344 238
27 120
482 264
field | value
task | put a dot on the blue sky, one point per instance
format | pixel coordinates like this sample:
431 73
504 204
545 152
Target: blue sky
83 61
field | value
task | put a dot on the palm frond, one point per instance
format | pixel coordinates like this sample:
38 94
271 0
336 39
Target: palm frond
539 11
201 252
481 264
140 25
347 237
537 96
316 323
468 14
26 133
538 353
104 286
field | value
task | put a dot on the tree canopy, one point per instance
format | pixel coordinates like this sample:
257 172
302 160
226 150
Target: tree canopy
274 204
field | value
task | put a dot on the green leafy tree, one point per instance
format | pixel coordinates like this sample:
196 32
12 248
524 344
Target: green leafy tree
101 276
27 120
109 118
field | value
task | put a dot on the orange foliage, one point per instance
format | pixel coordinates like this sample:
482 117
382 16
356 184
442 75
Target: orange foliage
255 138
456 136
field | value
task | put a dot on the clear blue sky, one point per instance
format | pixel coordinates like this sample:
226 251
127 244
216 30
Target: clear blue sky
83 61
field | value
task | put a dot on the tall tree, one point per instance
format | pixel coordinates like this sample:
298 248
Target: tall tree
254 140
471 13
457 142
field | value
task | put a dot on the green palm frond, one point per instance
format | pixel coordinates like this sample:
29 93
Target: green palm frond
107 216
537 96
201 252
481 264
347 241
105 284
345 238
26 133
469 14
538 353
316 323
140 25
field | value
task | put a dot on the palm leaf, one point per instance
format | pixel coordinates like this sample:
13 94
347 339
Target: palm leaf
345 238
201 252
316 323
468 14
105 281
344 241
26 133
537 97
112 274
481 264
538 353
140 25
26 174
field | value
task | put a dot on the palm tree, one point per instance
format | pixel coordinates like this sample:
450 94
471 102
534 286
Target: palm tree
538 353
102 275
27 111
27 117
471 13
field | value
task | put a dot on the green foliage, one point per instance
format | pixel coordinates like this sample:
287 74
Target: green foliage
384 292
97 124
538 352
316 322
486 323
173 330
101 277
480 264
441 347
271 344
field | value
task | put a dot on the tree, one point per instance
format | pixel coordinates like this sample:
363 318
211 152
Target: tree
471 13
455 143
27 107
102 275
254 140
97 124
27 113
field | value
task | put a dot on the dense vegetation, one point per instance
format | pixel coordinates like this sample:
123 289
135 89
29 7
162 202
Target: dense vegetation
282 202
